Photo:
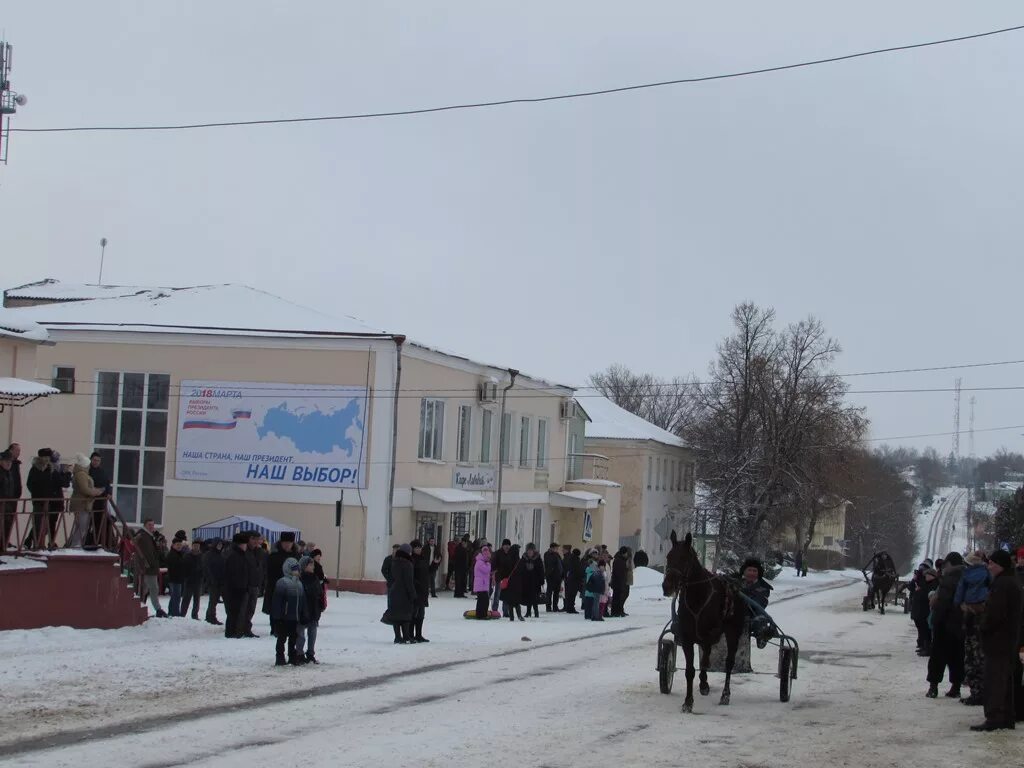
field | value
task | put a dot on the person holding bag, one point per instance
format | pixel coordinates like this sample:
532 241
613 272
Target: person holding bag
482 581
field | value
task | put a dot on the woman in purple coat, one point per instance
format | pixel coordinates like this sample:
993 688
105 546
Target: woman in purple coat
482 581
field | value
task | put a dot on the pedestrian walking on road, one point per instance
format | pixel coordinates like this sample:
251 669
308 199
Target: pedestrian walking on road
433 554
573 579
595 585
147 551
176 576
512 587
947 632
258 563
1000 637
502 563
622 573
463 562
274 567
482 581
385 567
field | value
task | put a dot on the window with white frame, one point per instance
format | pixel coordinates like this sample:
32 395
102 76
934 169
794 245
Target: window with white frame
650 472
572 460
542 443
524 441
672 475
131 438
657 481
481 524
535 533
485 436
431 429
504 449
465 432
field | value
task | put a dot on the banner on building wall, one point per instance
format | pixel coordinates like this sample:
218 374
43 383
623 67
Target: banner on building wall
278 434
479 479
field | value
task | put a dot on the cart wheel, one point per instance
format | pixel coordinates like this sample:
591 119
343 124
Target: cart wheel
785 672
666 665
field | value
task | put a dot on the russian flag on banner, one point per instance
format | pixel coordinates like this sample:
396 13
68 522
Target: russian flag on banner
203 424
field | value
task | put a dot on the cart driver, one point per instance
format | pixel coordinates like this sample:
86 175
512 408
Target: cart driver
757 589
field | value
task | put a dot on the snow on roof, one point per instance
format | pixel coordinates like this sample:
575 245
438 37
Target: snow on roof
24 388
596 482
54 290
200 309
13 325
610 422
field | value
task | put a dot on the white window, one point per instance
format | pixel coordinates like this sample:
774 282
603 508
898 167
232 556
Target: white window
657 482
485 436
465 432
481 524
131 439
524 441
535 537
502 533
506 440
572 460
650 472
431 429
542 443
672 476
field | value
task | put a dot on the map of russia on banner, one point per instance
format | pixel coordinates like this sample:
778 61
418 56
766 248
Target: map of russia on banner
267 433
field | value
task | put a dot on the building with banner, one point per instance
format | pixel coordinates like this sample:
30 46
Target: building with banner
216 401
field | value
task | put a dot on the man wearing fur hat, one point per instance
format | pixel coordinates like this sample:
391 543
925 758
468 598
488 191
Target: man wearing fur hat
1000 628
757 590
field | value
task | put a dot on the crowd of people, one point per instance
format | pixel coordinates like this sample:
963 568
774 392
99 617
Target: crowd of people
46 481
970 624
516 580
288 577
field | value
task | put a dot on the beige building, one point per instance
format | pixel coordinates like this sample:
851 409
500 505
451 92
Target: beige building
19 340
653 468
212 401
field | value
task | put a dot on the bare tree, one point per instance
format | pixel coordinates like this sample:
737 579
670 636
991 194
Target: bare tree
667 403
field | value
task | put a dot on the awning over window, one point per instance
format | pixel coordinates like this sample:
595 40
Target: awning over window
22 391
446 500
575 499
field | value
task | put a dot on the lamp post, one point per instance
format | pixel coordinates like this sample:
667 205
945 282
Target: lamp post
103 253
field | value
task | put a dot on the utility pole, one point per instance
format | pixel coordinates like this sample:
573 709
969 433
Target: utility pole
103 253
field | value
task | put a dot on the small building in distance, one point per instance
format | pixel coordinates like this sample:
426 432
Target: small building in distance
654 468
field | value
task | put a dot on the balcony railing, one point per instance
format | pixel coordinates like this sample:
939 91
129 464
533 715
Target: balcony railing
41 525
587 466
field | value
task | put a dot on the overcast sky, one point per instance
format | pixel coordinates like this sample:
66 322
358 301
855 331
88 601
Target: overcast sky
882 195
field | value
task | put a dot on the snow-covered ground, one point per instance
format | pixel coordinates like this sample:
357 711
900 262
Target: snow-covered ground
544 692
942 527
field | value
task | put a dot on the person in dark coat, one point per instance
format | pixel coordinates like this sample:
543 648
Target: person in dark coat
288 612
256 561
176 576
552 577
213 560
574 571
312 588
620 582
433 554
284 549
100 480
463 559
193 579
10 492
421 580
947 631
502 562
236 586
1000 628
46 483
532 567
1019 694
640 559
920 608
385 567
402 595
512 595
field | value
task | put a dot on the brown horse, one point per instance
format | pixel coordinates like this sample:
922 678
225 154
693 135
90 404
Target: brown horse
709 607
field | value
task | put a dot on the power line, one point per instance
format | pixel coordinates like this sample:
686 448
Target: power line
525 100
280 391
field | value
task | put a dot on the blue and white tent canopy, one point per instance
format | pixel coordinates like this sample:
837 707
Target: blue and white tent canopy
271 530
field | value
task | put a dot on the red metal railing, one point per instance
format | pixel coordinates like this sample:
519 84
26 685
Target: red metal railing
40 525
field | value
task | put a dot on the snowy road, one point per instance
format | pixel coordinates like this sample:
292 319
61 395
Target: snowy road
948 530
479 693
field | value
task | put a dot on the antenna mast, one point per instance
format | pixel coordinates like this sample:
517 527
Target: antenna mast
970 431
